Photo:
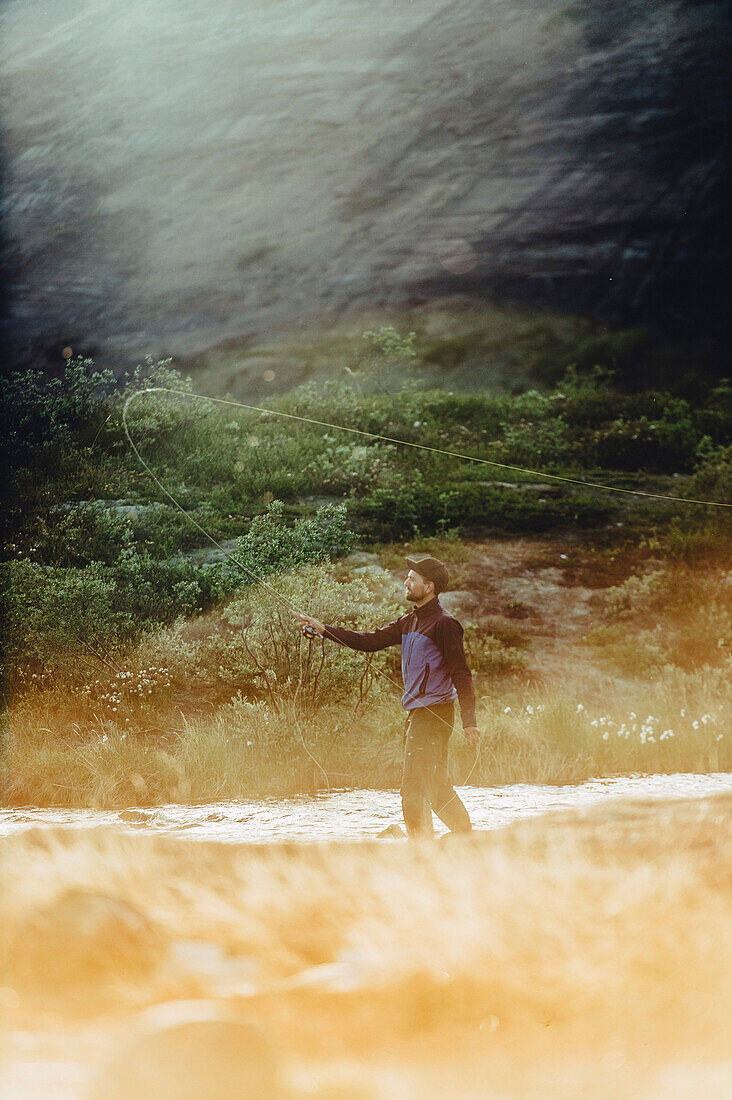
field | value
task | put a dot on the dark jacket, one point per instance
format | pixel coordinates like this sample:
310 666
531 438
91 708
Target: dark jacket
434 668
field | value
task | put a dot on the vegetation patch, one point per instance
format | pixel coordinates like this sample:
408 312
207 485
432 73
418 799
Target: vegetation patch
125 621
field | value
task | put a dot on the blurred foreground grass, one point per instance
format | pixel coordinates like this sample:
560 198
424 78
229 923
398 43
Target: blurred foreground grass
585 954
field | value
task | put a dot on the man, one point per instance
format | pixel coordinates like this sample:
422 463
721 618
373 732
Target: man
435 673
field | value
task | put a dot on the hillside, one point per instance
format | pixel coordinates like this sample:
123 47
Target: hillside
178 175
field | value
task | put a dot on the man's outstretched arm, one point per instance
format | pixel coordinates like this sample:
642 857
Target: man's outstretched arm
366 641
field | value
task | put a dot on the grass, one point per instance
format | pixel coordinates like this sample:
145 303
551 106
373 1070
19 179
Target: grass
235 703
241 749
584 954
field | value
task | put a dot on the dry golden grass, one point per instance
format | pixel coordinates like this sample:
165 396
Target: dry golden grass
585 955
172 723
679 723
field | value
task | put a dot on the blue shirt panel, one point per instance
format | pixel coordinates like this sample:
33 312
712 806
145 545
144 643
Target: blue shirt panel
424 671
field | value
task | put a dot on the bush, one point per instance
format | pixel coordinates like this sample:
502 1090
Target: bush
634 653
697 614
267 650
413 505
53 612
155 416
713 476
486 653
38 411
271 546
343 467
634 595
541 445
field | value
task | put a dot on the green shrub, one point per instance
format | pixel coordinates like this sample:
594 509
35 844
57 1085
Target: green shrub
635 653
486 653
540 445
665 445
271 546
348 466
150 591
154 417
697 621
39 411
266 650
713 476
636 594
51 612
412 505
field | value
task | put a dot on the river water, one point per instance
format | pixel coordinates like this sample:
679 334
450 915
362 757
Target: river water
356 814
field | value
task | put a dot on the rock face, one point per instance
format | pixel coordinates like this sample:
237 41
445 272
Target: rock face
182 173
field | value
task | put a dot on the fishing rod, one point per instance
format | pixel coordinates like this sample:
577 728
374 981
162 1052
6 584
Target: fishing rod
308 632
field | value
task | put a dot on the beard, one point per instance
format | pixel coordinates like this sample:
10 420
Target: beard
416 595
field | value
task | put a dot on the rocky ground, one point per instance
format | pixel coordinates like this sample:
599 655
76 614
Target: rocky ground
544 596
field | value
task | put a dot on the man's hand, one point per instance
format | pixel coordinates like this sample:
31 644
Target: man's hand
472 733
308 620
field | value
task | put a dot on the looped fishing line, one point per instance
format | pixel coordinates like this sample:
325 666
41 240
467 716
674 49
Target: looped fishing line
230 557
370 435
433 450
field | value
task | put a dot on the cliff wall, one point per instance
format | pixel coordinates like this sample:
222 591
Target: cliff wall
184 172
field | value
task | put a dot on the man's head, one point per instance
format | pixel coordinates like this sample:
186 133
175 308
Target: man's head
427 577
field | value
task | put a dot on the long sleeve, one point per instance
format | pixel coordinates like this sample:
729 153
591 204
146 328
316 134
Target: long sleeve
367 641
451 644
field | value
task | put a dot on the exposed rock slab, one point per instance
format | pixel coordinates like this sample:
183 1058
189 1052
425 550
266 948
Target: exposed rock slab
180 174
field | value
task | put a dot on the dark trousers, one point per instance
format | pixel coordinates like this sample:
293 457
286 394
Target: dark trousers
426 784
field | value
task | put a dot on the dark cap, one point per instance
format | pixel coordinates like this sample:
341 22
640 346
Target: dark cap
432 569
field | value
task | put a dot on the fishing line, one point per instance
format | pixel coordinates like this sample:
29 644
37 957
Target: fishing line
370 435
436 450
240 565
230 557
